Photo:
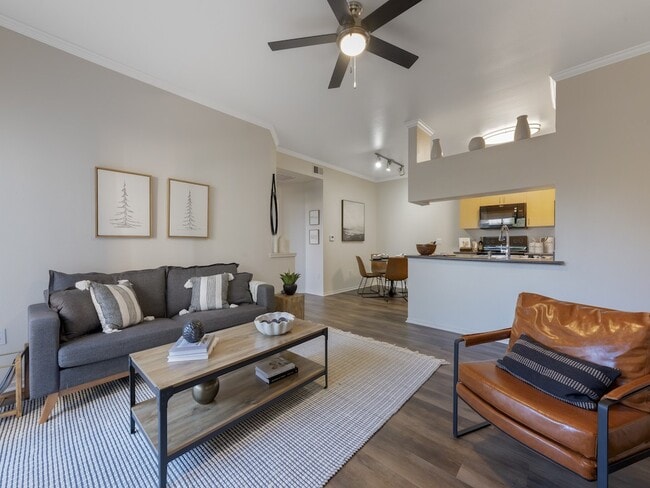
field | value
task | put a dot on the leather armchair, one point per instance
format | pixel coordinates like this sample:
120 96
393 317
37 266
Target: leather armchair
589 443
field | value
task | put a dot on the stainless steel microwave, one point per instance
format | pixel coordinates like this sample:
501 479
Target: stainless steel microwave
510 214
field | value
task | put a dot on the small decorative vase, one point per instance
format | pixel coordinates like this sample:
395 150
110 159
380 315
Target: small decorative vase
289 289
436 149
204 393
276 243
476 143
522 129
193 331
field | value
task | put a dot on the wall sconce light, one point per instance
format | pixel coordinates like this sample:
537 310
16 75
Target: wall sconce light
389 163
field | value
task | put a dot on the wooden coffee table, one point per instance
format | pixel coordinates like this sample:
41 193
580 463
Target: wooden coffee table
174 423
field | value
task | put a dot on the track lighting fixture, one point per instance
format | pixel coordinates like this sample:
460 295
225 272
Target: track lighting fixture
389 163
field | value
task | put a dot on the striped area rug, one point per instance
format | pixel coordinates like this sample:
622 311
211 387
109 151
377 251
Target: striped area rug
302 441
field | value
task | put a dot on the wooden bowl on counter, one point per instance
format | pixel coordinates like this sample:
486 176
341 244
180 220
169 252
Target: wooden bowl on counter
426 249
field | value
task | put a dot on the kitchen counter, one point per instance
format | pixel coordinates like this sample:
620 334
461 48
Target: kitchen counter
496 258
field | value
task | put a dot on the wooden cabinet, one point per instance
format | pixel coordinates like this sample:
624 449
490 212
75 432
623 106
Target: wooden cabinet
540 207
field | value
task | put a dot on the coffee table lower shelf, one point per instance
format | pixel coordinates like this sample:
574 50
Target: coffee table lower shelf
241 394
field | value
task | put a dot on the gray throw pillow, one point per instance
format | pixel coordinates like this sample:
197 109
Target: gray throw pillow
116 305
238 290
76 312
209 292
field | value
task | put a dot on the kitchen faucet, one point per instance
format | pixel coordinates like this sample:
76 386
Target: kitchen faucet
504 228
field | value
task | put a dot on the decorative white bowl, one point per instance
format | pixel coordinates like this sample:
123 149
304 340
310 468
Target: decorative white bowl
274 323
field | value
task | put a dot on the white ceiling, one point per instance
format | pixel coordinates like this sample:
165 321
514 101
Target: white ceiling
482 63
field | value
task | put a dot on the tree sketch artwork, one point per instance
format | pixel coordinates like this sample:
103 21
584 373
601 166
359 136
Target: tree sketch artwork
188 205
123 204
124 216
353 221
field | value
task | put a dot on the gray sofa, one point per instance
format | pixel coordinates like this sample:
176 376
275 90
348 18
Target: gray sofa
68 350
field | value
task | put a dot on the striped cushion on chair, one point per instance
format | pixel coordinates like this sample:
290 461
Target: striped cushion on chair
116 305
575 381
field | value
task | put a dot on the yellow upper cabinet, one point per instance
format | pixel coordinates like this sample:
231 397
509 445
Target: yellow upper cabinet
540 207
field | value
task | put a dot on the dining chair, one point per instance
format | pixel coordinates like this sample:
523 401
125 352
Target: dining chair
397 271
369 278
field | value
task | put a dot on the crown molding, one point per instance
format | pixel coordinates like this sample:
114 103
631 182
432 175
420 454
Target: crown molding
309 159
87 55
420 125
616 57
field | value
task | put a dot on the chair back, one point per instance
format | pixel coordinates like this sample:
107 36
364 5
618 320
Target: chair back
397 269
362 267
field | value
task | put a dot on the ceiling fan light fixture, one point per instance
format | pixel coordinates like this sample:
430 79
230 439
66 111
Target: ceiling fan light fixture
353 41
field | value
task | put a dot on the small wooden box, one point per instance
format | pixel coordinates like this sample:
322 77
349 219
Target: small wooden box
294 304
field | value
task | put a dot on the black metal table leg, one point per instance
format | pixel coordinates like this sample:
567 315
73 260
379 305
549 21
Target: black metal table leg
132 394
163 400
326 361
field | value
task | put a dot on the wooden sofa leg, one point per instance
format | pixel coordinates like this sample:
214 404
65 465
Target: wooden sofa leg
50 403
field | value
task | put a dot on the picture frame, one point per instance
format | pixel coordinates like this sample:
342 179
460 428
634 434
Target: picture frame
188 209
353 225
314 217
314 236
464 244
122 203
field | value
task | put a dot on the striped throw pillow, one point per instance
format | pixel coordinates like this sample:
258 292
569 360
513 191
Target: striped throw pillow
116 305
209 292
575 381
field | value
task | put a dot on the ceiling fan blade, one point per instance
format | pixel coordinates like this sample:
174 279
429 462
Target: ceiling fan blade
391 52
387 12
302 42
339 70
341 11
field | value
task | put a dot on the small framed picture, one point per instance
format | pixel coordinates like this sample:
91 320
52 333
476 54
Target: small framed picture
314 217
122 203
464 243
314 236
188 209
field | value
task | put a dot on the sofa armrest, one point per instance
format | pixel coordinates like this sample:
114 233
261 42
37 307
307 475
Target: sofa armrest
266 296
483 337
44 329
634 386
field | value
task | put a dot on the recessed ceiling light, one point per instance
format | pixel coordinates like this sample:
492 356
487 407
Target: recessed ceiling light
507 134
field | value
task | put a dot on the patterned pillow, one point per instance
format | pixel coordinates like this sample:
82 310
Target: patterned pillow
575 381
209 292
116 305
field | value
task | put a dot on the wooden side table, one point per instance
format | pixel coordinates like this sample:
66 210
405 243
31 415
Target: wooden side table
294 304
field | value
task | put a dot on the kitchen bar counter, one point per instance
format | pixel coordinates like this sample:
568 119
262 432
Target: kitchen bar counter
496 258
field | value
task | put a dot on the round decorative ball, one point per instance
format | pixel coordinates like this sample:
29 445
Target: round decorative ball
193 331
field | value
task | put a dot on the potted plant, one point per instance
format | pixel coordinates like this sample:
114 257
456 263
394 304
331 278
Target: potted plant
289 282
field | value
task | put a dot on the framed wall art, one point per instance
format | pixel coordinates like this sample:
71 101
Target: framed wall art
352 221
122 203
314 217
188 206
314 236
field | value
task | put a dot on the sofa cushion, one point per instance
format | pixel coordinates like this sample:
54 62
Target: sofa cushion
238 289
66 281
209 292
222 319
564 424
116 305
602 336
76 312
178 297
150 287
93 348
571 380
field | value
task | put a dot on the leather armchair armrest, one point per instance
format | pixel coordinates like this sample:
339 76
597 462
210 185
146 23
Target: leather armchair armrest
619 393
484 337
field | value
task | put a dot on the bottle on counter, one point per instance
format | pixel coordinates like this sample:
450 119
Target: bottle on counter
479 246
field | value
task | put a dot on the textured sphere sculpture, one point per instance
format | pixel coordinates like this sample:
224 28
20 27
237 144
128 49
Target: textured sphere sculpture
193 331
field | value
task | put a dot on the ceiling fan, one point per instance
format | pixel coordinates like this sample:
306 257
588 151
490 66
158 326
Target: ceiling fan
353 35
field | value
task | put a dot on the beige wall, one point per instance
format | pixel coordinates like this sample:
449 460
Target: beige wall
62 116
598 163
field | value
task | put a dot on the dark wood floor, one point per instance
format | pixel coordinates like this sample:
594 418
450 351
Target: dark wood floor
415 448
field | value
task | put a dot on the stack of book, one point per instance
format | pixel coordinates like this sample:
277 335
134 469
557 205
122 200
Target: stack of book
274 368
190 351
